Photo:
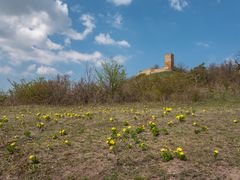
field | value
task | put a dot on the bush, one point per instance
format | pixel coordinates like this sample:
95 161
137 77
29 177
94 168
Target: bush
3 97
216 82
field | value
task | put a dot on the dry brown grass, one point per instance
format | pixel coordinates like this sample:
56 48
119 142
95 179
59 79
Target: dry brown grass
88 157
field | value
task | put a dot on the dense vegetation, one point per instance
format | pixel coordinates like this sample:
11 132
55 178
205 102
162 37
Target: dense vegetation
215 82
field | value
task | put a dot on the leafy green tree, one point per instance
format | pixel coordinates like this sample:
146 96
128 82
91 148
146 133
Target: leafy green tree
111 76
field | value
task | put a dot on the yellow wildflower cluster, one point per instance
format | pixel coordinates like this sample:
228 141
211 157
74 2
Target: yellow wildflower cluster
180 117
215 153
180 154
4 119
111 143
67 142
40 125
33 159
62 132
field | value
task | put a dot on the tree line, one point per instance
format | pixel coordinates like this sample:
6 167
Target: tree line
110 84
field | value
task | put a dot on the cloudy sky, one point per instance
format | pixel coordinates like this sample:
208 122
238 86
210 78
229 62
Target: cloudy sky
49 37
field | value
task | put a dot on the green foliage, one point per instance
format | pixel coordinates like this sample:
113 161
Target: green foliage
27 133
215 82
166 155
139 129
111 77
11 148
153 128
155 131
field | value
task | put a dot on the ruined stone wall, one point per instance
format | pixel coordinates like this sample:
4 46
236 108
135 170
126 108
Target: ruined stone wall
169 65
169 61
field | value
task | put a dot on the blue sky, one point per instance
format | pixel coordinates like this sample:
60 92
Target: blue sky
49 37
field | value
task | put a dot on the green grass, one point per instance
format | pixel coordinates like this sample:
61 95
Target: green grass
88 156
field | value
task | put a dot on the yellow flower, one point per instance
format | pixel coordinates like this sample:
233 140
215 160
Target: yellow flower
118 134
179 149
181 153
154 117
13 144
67 142
167 109
114 130
5 119
40 125
111 119
143 146
47 117
112 142
180 117
170 123
163 150
215 153
62 132
31 157
111 148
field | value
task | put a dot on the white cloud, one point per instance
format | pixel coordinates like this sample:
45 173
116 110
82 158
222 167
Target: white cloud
203 44
69 73
117 21
6 70
67 42
88 22
26 28
46 71
53 46
78 57
106 39
48 57
113 19
178 5
76 8
120 2
31 68
119 59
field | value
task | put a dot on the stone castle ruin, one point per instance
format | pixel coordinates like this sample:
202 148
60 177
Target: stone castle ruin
168 66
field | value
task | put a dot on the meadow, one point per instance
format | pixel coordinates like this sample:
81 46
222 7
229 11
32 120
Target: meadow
128 141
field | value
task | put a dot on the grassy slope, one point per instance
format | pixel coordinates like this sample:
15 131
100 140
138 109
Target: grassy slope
88 157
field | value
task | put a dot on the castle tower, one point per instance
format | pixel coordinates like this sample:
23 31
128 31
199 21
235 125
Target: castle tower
169 61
